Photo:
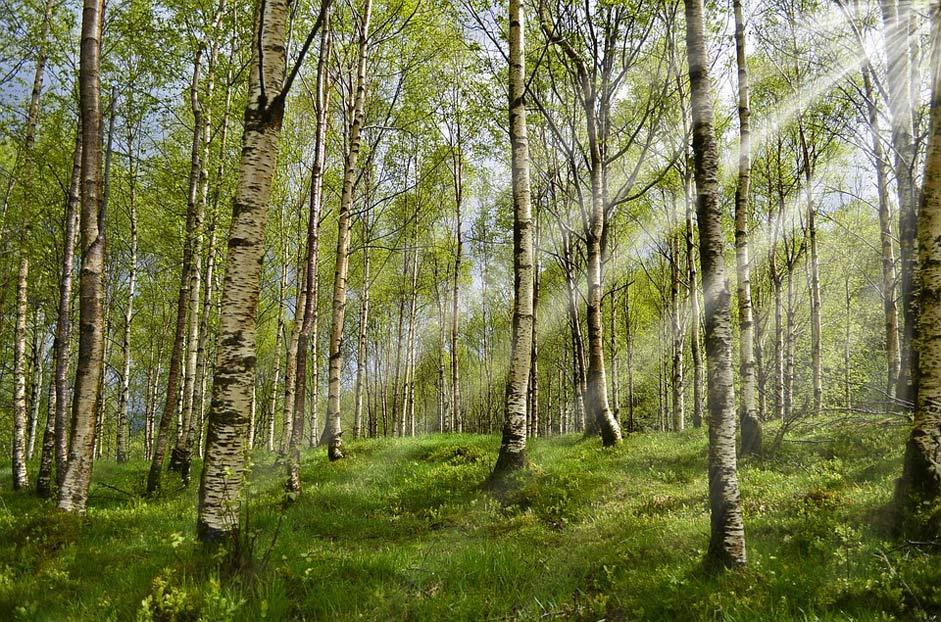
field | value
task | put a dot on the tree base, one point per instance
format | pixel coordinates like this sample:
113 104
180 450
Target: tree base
751 436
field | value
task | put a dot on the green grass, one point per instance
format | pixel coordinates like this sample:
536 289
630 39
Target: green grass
403 530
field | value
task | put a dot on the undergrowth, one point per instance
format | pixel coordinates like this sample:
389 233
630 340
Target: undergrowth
406 529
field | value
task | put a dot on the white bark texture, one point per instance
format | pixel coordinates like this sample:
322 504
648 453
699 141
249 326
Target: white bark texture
226 442
73 491
921 477
513 446
727 544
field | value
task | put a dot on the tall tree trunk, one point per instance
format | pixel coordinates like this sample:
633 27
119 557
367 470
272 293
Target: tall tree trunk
895 17
727 544
35 383
629 342
889 277
457 157
335 448
409 407
278 344
615 381
816 361
513 445
53 452
598 412
920 486
290 365
534 357
233 387
202 355
578 347
20 476
123 414
396 386
73 491
184 297
678 328
747 413
307 337
790 337
182 453
693 287
361 360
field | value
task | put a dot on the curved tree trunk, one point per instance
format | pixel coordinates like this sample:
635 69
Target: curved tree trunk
727 544
73 491
513 445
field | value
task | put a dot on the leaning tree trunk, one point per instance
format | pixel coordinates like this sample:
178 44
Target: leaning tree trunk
919 489
335 443
233 387
747 413
73 492
20 476
513 445
727 544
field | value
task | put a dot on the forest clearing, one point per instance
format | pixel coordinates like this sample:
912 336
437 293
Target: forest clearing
403 530
464 309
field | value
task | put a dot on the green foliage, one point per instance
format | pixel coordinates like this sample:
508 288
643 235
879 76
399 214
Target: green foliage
403 528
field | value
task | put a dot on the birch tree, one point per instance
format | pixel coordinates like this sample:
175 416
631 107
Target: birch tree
234 383
73 491
727 541
512 454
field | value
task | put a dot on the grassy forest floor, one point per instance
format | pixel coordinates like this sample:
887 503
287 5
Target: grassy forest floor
402 530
